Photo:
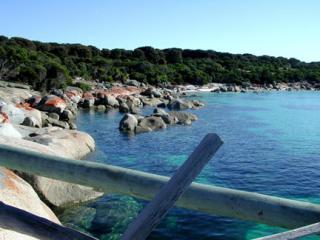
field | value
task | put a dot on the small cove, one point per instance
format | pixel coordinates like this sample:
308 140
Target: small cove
271 146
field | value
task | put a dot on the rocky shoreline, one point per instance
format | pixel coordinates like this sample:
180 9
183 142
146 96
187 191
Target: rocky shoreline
249 87
45 123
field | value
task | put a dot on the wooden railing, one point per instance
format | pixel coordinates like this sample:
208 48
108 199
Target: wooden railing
162 191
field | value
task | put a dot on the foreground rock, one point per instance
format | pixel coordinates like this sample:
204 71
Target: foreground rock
16 192
57 142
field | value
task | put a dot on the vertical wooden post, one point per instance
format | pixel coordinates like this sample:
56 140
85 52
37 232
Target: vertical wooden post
152 214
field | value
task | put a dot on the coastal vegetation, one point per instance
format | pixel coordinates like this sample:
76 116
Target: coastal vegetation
51 65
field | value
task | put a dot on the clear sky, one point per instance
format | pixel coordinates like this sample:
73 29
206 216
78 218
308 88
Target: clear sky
289 28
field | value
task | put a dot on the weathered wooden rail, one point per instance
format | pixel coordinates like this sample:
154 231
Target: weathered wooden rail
209 199
295 233
29 224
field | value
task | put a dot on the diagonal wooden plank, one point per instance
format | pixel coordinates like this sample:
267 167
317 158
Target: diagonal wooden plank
21 221
152 214
295 233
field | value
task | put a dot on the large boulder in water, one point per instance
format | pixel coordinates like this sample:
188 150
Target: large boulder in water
152 122
179 105
158 112
197 104
112 101
185 118
88 100
123 107
128 123
133 102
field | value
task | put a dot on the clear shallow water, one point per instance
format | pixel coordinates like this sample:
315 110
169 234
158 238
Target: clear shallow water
271 146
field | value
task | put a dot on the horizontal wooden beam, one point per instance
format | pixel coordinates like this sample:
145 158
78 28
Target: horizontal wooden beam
23 222
206 198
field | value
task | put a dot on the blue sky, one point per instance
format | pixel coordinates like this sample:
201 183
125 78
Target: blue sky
288 28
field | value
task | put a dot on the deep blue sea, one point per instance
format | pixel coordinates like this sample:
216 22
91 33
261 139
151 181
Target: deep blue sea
271 146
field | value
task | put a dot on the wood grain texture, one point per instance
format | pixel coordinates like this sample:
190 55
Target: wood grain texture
152 214
21 221
295 233
210 199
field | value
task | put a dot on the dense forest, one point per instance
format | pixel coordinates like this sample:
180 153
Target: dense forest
53 65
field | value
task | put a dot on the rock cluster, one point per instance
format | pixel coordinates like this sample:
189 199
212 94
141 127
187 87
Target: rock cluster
36 123
45 124
160 119
249 87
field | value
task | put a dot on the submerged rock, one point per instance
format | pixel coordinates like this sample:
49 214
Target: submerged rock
197 104
107 218
128 123
185 118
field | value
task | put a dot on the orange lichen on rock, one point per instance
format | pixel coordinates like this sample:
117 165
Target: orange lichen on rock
116 91
4 118
133 90
26 106
87 95
71 93
35 101
123 91
10 180
55 101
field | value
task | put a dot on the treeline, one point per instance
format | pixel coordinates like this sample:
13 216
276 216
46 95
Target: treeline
52 65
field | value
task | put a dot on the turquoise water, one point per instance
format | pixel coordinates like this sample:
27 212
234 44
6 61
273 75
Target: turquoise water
271 146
